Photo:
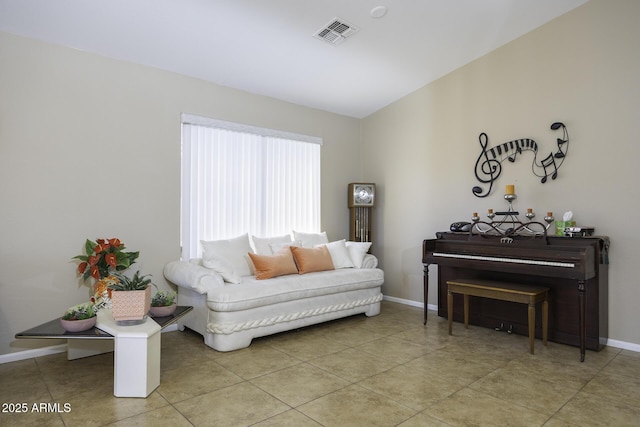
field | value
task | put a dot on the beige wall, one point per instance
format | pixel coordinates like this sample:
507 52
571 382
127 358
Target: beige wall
90 147
582 69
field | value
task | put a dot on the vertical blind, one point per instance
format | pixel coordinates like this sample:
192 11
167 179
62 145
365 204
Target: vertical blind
240 179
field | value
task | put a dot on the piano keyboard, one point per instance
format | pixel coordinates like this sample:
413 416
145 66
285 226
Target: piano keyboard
500 259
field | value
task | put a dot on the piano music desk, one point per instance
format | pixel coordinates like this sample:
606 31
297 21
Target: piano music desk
513 292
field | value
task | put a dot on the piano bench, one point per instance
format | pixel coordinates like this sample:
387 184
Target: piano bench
513 292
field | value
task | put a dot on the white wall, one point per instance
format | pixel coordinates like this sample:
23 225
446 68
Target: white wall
582 69
90 148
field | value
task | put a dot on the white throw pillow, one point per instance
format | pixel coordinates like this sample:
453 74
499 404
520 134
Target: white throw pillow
222 266
262 245
357 251
339 254
310 240
277 247
228 257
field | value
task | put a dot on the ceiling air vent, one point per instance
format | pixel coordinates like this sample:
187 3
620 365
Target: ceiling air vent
335 31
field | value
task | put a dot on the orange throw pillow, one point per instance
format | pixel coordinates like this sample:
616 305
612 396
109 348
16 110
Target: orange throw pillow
312 259
268 266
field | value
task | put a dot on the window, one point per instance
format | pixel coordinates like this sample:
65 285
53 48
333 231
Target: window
240 179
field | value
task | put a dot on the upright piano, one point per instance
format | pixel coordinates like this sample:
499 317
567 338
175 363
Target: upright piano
575 269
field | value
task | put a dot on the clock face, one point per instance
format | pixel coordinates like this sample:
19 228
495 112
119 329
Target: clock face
363 195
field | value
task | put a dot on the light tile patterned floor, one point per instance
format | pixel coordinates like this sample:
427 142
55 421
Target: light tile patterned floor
387 370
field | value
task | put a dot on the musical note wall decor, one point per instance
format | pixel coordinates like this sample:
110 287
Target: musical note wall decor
489 164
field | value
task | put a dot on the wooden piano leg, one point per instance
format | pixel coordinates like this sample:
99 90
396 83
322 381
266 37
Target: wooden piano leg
466 311
450 310
425 282
545 320
583 326
532 323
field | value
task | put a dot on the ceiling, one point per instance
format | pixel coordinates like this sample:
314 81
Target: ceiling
267 47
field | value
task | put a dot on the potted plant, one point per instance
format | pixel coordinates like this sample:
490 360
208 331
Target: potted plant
103 258
163 303
130 298
79 317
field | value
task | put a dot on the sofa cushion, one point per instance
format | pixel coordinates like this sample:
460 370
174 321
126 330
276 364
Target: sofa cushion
309 260
228 257
268 266
309 240
252 293
263 245
340 254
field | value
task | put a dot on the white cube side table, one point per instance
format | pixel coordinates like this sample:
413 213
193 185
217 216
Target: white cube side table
136 366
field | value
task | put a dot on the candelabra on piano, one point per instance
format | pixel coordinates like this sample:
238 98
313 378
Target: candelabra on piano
510 223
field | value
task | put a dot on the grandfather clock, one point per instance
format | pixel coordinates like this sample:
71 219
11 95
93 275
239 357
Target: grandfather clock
362 198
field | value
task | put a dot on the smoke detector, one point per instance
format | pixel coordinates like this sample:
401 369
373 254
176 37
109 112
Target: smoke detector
336 31
378 12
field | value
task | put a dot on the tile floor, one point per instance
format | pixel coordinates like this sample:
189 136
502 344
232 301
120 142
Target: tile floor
387 370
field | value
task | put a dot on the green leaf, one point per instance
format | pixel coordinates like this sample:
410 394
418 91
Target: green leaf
89 246
133 256
121 259
135 283
125 259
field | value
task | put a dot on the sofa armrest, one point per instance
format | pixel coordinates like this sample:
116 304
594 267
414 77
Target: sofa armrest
369 261
192 276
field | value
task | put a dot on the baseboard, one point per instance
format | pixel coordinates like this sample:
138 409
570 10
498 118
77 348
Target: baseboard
171 327
29 354
412 303
623 345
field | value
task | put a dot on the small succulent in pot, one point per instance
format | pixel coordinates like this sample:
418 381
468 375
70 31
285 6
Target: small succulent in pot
163 304
130 298
163 299
86 310
134 283
79 317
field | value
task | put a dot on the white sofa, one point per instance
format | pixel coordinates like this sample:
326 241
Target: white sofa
230 315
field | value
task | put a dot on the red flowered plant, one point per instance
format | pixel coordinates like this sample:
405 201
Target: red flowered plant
104 256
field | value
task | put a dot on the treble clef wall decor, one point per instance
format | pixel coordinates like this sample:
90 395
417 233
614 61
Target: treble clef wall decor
489 164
